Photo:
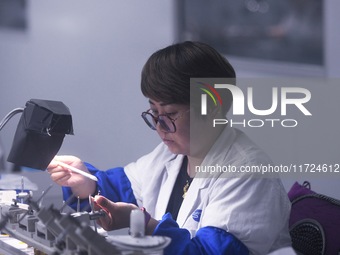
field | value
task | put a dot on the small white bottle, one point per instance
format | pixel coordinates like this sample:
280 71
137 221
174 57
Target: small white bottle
137 223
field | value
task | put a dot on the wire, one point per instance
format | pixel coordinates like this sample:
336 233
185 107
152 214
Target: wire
9 116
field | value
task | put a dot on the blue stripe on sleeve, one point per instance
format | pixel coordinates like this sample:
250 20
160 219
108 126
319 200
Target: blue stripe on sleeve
112 184
208 240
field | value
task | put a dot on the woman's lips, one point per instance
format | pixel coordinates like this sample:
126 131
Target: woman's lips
167 141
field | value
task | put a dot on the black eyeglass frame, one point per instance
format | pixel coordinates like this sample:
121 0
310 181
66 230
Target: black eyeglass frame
159 120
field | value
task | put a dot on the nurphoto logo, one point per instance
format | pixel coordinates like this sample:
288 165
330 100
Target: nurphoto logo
281 97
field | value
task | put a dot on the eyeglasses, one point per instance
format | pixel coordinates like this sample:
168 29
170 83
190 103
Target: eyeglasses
165 121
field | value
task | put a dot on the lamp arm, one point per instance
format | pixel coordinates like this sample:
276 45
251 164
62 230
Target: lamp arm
9 116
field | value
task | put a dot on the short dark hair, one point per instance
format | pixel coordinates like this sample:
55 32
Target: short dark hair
166 74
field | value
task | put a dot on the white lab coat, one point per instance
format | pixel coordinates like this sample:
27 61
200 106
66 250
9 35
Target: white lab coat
255 210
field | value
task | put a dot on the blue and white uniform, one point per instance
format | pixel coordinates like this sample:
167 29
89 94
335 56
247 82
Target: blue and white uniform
220 214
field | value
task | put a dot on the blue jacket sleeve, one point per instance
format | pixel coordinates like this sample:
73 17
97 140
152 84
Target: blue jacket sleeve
208 240
112 184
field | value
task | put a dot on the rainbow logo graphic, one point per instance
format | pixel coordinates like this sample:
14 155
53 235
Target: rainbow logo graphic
213 94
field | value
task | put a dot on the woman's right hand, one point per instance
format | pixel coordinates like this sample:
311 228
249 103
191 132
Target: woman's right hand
81 186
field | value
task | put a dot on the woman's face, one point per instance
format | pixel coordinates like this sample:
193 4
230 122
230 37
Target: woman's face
179 141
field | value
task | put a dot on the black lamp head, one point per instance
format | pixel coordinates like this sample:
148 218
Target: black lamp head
40 133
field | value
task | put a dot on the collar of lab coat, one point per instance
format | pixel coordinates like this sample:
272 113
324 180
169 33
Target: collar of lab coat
191 200
199 185
172 169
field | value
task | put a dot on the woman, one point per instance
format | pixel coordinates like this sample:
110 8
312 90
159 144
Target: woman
202 213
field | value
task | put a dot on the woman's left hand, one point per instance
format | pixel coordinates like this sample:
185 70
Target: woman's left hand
117 214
